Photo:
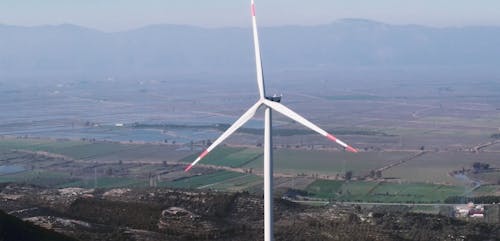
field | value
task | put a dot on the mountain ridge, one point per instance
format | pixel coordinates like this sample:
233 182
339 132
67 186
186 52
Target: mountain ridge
167 48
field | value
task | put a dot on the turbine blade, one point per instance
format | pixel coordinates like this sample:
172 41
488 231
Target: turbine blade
237 124
294 116
258 60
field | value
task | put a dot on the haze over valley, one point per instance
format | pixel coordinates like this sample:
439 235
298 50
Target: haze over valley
95 123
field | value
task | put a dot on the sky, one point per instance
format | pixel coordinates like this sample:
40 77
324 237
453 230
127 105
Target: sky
119 15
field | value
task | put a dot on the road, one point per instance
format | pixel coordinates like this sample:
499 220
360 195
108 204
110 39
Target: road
322 202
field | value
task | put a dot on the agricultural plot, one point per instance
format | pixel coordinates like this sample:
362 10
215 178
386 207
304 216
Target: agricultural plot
489 120
241 183
487 190
382 192
73 149
300 183
493 148
93 150
99 151
328 162
203 181
435 166
147 152
222 156
492 177
141 161
138 169
358 191
52 146
38 177
335 189
106 182
325 188
413 192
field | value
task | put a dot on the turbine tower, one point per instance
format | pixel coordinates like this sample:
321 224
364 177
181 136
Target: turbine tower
269 103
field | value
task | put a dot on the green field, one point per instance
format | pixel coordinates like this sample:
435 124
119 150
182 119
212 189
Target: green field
325 188
240 183
382 192
423 180
328 162
73 149
224 156
37 145
60 179
106 182
354 97
301 161
435 166
38 177
203 181
98 151
486 190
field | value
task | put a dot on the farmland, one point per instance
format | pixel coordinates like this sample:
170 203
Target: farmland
203 181
414 128
435 166
66 163
224 156
293 162
383 192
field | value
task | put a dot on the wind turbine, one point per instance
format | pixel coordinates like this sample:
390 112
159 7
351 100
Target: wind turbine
269 104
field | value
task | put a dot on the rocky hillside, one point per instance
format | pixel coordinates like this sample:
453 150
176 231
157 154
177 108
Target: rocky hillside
14 229
165 214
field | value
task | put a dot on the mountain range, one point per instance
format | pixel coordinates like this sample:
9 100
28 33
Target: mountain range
75 50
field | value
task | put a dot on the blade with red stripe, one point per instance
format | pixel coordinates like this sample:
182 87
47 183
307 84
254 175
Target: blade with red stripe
298 118
258 59
235 126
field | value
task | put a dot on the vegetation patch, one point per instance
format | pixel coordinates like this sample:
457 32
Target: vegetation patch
258 131
203 181
221 156
359 191
38 177
12 228
106 182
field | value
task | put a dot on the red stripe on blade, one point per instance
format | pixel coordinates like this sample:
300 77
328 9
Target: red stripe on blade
203 154
188 168
351 149
331 137
253 9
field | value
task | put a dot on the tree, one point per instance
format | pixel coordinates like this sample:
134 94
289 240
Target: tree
372 173
480 166
109 171
348 175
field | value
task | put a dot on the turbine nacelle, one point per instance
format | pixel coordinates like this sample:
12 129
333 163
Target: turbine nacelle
275 98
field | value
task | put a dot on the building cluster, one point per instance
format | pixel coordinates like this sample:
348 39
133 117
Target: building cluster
469 210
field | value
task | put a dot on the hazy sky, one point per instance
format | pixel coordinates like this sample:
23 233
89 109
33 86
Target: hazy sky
115 15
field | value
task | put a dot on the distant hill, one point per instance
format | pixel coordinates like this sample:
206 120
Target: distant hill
14 229
174 48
